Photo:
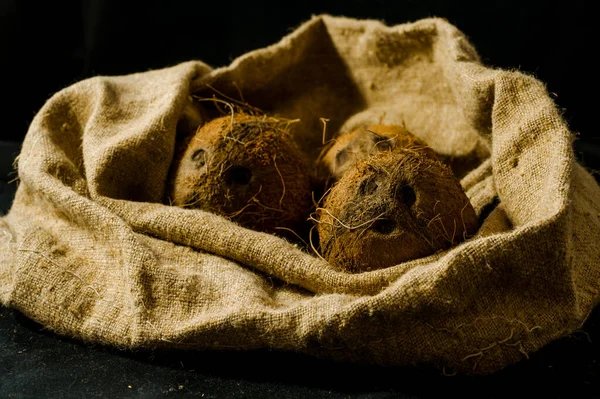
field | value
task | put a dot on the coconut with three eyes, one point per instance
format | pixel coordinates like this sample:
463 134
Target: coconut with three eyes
392 205
246 168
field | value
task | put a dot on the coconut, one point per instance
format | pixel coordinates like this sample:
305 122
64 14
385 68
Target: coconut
362 142
390 208
246 168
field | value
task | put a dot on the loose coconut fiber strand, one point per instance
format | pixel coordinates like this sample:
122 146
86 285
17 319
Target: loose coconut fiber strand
90 251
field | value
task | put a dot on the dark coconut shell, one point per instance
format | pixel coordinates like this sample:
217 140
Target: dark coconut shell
393 207
362 142
246 168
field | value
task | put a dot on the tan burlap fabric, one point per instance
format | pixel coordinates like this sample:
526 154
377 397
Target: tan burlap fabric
89 250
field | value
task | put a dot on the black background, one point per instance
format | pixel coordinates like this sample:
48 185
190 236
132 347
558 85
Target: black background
46 46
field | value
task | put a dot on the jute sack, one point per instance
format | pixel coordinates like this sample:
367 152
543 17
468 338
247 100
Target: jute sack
90 251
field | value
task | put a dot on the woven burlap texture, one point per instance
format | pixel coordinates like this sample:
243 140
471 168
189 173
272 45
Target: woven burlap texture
90 251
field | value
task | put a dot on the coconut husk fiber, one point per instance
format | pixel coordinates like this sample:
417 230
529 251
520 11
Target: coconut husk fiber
90 251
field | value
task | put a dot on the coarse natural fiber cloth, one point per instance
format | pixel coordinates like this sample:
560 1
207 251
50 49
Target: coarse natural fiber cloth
90 251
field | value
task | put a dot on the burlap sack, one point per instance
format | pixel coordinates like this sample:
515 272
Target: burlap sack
89 251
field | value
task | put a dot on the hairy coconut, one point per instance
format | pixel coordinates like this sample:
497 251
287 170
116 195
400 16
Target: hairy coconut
392 207
246 168
364 141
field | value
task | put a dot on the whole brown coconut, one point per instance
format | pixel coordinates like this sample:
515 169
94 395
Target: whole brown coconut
391 208
364 141
246 168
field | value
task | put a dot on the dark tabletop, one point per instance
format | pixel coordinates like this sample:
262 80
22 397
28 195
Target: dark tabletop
35 363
